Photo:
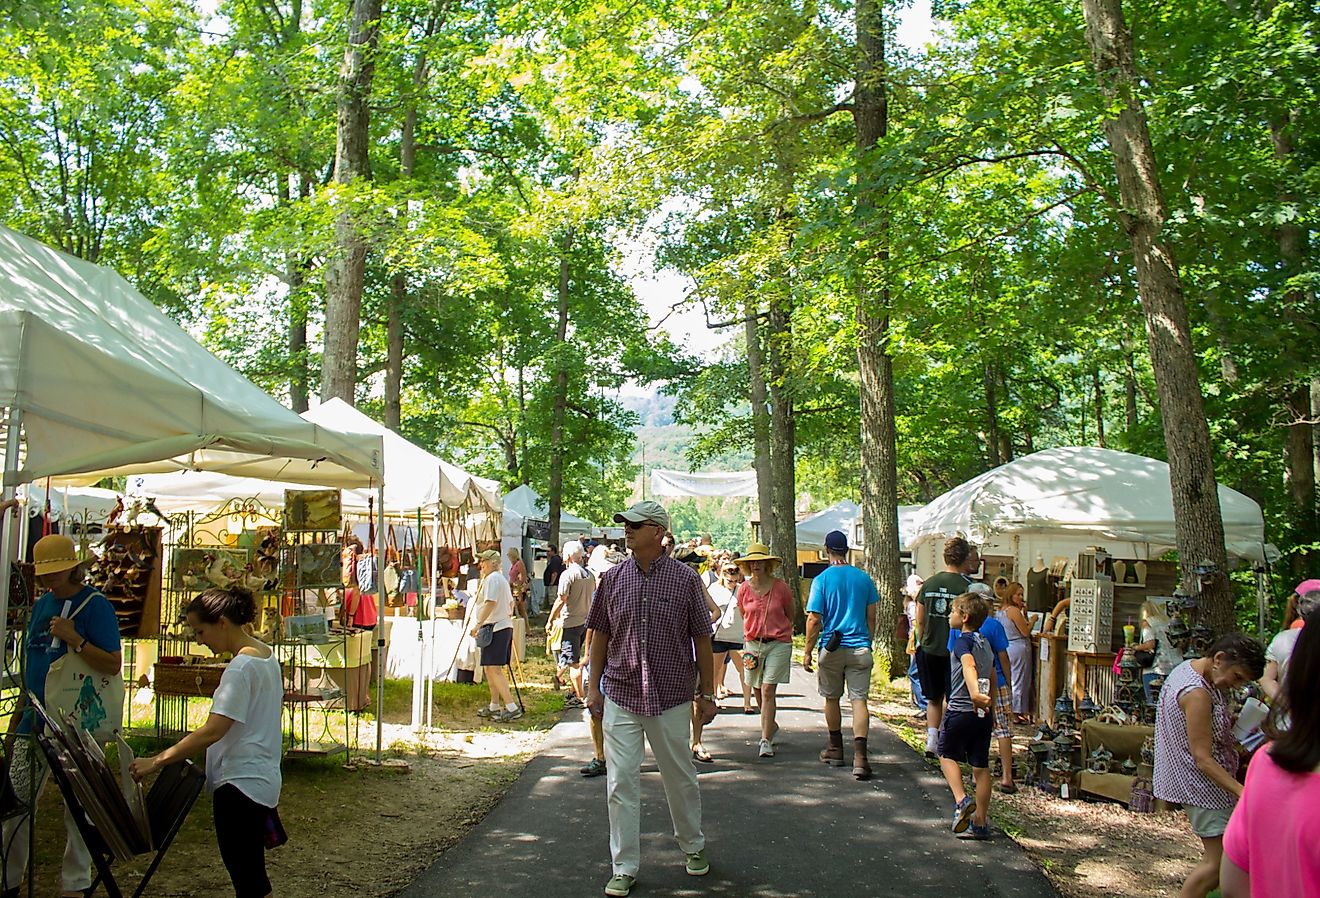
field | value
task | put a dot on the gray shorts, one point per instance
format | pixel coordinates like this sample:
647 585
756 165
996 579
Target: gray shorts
1208 822
774 665
851 666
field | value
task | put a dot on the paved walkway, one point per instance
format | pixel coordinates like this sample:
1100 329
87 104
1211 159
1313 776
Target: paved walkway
782 827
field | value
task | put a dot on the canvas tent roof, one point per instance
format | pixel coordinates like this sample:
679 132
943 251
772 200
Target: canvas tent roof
106 384
414 478
1082 490
523 502
847 516
95 503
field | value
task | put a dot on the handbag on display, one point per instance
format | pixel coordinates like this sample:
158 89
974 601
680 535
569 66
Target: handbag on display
95 699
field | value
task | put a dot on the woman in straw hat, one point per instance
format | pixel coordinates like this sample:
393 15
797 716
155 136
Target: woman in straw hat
767 610
69 617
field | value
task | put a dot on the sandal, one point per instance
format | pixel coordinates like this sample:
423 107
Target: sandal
700 754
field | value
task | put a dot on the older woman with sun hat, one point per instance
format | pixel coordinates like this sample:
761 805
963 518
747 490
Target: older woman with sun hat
767 609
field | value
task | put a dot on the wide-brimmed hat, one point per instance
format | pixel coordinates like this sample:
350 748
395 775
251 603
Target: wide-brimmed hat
647 512
54 553
758 552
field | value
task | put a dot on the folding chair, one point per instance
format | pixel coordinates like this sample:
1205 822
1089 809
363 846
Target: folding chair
168 802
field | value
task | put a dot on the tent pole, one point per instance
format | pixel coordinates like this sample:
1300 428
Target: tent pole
420 672
435 581
380 618
9 544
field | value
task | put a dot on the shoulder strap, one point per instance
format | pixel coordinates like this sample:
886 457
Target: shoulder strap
75 611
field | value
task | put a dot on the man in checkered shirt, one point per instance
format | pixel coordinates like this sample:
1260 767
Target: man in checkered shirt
650 660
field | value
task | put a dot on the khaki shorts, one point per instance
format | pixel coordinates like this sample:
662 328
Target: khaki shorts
1208 822
851 666
776 662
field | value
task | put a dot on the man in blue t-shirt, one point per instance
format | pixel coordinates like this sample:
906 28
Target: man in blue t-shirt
841 611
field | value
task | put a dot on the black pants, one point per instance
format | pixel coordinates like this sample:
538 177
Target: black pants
240 830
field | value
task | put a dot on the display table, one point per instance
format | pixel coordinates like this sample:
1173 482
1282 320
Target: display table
345 662
1124 742
404 641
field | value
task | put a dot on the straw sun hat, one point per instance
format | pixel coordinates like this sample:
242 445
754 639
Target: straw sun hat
758 552
54 553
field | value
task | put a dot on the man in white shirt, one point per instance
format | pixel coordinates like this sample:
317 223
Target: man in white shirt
495 610
576 587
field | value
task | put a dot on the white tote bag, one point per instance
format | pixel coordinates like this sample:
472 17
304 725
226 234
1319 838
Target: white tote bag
95 699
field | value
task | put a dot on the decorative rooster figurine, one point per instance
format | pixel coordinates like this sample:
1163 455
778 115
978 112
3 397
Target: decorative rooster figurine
115 512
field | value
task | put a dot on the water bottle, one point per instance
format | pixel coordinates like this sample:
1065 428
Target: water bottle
983 684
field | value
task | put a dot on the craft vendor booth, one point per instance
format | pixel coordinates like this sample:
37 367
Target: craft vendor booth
526 527
1080 523
435 517
129 392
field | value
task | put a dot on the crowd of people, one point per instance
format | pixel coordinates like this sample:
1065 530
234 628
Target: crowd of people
645 639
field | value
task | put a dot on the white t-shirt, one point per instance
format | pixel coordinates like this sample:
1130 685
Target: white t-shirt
576 587
729 628
251 694
495 588
1281 649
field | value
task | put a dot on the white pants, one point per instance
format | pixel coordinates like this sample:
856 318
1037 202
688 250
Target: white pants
668 735
28 776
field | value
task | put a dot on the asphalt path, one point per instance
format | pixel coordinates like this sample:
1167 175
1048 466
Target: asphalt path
781 827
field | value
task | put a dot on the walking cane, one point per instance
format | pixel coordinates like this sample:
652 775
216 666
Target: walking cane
514 681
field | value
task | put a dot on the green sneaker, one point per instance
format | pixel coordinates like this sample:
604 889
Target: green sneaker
620 884
697 865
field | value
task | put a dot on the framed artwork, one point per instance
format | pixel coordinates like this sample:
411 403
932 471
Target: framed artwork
318 565
312 510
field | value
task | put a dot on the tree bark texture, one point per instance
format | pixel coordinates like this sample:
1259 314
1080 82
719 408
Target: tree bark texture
1299 447
1098 395
760 423
1198 521
783 453
295 276
879 454
559 409
991 416
1130 391
346 267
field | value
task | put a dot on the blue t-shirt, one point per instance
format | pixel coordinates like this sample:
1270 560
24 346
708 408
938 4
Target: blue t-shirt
994 633
840 594
96 623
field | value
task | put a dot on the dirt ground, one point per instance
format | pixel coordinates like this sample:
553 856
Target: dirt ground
357 829
1087 849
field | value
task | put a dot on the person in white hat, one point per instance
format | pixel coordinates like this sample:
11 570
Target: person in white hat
69 617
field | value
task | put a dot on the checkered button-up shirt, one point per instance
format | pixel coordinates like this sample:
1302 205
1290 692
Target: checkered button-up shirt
650 620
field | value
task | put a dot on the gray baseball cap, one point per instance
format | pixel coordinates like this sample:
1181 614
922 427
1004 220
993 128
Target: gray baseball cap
647 512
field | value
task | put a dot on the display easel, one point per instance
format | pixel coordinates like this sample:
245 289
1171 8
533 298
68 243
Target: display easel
168 802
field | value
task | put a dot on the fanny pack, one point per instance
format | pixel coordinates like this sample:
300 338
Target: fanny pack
485 635
833 642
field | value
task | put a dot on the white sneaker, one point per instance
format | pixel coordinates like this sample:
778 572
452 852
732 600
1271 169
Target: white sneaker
767 750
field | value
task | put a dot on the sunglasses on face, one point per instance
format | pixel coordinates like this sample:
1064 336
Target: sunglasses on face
629 525
733 572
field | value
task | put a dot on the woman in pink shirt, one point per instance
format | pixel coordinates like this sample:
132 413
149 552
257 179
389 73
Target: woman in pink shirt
1272 844
767 608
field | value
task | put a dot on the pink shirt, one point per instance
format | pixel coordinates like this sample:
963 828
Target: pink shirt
1274 834
769 617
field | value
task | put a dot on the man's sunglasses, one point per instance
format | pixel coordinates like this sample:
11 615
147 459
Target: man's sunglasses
629 525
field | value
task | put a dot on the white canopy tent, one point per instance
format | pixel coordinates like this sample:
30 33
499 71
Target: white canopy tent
414 478
103 383
847 517
723 484
1058 501
89 503
524 505
96 381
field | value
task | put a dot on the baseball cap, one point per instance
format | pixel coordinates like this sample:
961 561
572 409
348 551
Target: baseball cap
836 541
981 589
646 512
1307 586
489 555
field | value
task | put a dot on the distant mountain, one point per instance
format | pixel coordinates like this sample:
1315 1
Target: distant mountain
655 410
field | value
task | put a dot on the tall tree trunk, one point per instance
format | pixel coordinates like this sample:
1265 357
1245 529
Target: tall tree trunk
519 470
765 506
991 415
783 448
1130 391
346 268
295 276
879 453
559 409
1098 393
1005 397
1198 521
1299 447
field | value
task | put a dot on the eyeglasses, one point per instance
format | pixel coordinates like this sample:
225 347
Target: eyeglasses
629 525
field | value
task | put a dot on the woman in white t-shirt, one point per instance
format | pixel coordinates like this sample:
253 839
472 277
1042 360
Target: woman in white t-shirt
241 736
